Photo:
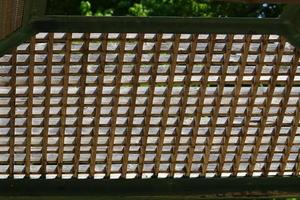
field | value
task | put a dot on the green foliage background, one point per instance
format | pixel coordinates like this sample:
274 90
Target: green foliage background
161 8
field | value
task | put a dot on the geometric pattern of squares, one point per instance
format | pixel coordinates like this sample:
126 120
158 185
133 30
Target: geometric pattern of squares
141 105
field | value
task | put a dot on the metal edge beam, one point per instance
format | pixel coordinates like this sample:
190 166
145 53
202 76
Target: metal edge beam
35 21
143 197
288 25
43 23
157 187
198 187
291 20
32 9
158 24
16 38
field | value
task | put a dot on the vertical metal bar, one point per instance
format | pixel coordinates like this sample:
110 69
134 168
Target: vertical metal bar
297 167
115 104
200 106
96 127
29 106
47 103
222 83
208 61
61 141
166 104
12 113
136 73
82 82
186 88
149 103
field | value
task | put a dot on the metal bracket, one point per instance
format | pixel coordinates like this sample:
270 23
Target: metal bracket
291 20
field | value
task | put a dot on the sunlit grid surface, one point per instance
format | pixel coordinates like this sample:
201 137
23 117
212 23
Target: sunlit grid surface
149 105
11 12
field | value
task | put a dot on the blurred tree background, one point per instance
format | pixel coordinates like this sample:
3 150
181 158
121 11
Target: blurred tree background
184 8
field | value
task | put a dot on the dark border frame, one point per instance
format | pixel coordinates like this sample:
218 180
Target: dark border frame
35 21
180 188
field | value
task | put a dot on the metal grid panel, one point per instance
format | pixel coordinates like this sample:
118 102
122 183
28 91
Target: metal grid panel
11 12
142 105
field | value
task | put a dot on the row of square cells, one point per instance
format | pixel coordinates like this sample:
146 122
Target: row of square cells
160 91
149 158
134 158
150 36
52 148
151 141
143 81
164 165
141 102
144 69
132 46
155 115
143 175
140 121
127 82
149 58
139 111
185 133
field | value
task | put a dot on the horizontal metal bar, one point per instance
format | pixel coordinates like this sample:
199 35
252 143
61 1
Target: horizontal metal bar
142 198
152 187
158 25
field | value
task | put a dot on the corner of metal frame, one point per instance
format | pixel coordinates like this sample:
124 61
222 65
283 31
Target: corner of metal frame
32 9
291 20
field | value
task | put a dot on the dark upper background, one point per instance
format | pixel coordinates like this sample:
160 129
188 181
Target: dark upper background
185 8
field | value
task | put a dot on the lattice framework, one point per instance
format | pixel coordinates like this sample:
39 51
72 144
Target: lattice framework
141 105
